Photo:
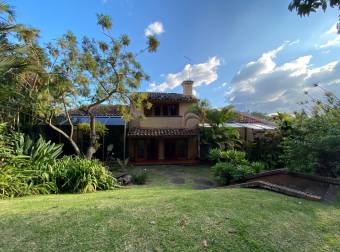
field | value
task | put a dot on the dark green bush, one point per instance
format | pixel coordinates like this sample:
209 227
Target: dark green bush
226 172
267 148
258 166
31 167
232 165
78 175
139 177
314 144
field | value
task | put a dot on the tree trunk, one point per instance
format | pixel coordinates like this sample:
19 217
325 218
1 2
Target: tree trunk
93 138
68 138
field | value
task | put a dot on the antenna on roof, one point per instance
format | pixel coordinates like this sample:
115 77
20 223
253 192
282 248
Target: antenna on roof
189 62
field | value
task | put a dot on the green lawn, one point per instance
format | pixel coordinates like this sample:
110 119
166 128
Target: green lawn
166 217
166 175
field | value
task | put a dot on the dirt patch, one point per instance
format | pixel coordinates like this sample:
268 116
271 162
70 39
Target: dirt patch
296 183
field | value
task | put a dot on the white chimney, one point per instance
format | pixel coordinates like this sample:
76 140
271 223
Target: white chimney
187 87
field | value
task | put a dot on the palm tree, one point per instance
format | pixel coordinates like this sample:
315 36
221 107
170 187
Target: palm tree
16 44
198 111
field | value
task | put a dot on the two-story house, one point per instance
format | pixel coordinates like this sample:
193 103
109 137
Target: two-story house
165 134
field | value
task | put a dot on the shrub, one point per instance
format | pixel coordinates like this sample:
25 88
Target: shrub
234 166
232 156
139 177
314 144
258 166
235 157
215 154
267 148
243 171
41 152
78 175
21 181
226 172
223 172
31 167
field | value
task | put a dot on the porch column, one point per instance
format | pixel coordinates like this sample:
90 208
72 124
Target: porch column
190 148
160 148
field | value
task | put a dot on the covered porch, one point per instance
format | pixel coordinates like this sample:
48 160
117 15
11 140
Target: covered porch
167 146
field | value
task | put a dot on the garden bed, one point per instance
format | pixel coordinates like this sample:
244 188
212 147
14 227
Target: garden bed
294 184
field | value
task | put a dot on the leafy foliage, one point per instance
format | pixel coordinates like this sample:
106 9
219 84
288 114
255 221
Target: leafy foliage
17 181
213 132
314 145
267 149
305 7
77 175
41 152
101 129
31 167
232 165
68 73
226 172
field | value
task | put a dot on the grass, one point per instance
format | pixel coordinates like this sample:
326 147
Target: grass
161 216
166 175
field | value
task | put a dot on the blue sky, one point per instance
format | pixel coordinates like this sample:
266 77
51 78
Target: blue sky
254 54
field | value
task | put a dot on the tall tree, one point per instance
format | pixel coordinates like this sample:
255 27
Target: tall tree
90 73
16 43
305 7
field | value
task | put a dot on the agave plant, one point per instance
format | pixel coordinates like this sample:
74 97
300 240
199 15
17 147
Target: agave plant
41 152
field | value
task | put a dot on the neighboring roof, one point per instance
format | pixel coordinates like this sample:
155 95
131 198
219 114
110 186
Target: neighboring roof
246 118
255 126
148 132
101 110
250 122
170 97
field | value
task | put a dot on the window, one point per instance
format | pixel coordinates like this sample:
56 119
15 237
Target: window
173 109
157 109
165 108
162 110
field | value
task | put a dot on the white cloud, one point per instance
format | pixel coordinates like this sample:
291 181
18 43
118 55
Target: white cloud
154 29
203 73
262 85
332 30
333 37
295 42
332 42
224 84
195 93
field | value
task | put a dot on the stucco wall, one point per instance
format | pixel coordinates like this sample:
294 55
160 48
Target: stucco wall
165 121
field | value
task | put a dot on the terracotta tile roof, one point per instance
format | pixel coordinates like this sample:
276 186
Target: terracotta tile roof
101 110
148 132
170 97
